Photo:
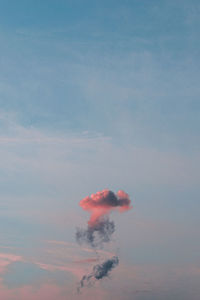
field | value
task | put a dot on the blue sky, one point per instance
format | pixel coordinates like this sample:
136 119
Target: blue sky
70 64
94 95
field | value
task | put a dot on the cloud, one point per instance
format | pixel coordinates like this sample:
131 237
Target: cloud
100 228
99 272
103 202
7 259
96 235
86 261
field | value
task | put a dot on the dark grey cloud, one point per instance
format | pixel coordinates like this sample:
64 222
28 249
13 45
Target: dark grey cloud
99 272
97 234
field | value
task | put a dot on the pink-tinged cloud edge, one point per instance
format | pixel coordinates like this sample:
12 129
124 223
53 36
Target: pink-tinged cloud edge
103 202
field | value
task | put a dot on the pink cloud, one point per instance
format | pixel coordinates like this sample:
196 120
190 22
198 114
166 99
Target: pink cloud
103 202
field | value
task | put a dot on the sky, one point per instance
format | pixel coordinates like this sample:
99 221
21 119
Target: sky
99 95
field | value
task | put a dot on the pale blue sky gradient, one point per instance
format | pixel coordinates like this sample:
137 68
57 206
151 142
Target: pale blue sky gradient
94 95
